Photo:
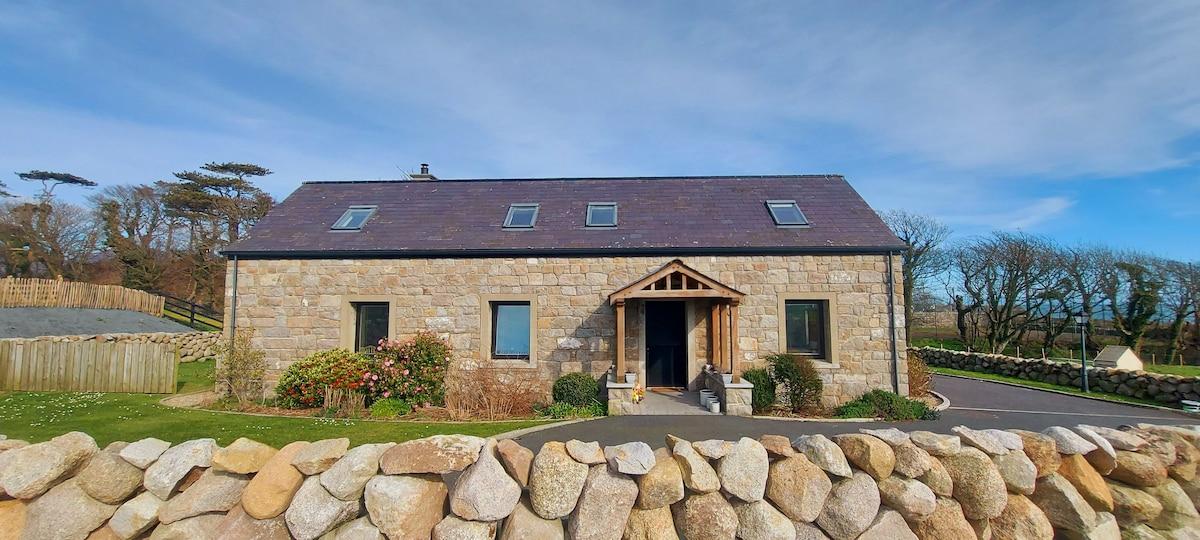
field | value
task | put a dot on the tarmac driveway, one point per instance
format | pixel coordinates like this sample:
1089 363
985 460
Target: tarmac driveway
975 404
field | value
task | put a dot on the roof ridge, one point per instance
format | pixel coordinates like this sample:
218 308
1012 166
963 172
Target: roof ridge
584 178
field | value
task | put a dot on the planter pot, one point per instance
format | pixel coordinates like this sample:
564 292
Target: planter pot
707 396
631 378
714 406
727 377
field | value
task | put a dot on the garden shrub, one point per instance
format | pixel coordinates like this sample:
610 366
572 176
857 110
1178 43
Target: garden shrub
492 392
800 380
412 370
390 408
920 378
578 389
241 368
763 395
304 382
886 405
562 409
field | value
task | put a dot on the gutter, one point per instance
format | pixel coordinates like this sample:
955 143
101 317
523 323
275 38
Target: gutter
563 252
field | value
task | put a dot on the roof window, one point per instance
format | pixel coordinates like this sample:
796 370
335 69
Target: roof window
521 216
353 219
786 214
602 214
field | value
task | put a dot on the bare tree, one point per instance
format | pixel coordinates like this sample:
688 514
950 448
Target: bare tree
1181 284
139 232
1005 276
53 240
923 259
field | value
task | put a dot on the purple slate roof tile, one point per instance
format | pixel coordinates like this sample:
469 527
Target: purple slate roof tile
457 218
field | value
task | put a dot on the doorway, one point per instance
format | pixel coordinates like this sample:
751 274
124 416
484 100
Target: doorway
666 344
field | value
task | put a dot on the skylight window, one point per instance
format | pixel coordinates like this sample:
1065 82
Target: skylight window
786 214
521 216
602 214
353 219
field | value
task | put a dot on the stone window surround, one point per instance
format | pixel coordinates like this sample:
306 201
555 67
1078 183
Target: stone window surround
349 320
831 325
485 326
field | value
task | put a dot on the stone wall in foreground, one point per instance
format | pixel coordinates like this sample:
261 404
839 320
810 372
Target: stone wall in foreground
1083 482
1139 384
192 345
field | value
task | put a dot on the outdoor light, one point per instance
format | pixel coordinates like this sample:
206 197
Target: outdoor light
1082 321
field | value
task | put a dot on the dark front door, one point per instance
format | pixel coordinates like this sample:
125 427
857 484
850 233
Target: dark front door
666 344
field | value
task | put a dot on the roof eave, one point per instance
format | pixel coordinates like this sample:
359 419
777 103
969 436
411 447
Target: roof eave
561 252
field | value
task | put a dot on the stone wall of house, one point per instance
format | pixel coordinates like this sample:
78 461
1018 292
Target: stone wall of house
297 306
1083 482
1140 384
192 345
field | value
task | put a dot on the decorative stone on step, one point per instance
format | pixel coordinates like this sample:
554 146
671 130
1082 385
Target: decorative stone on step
314 511
698 475
911 460
555 481
912 499
946 522
777 446
712 448
439 454
891 436
936 444
243 456
165 475
137 515
525 524
655 524
743 471
1021 519
605 502
65 512
1132 505
215 492
1018 471
1041 449
798 488
630 458
453 528
239 525
888 525
938 479
761 520
868 453
984 441
978 485
516 460
109 479
270 491
1067 441
406 506
144 453
1063 505
31 470
705 517
850 508
484 491
317 457
1090 485
663 485
587 453
350 474
1138 470
824 453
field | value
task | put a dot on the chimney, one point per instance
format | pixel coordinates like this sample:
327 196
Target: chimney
424 176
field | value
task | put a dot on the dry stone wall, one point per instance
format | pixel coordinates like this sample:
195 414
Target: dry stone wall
1140 384
1083 482
192 345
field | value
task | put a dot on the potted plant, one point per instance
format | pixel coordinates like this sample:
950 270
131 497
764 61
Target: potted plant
630 377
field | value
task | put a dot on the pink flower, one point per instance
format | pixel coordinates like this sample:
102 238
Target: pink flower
427 405
374 377
405 372
387 394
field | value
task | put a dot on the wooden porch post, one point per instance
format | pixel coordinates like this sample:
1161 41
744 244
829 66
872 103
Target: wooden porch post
734 365
620 374
714 331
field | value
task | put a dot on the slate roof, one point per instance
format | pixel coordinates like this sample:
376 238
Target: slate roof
656 216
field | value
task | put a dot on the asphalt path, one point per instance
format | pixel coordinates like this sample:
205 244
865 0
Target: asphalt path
973 403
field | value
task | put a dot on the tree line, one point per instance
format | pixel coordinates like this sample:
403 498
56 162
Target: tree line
1014 288
163 236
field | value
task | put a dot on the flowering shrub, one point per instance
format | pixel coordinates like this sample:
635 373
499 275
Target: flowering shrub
413 371
304 382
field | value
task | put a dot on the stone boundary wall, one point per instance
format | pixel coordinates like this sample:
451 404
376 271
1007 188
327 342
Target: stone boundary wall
192 345
1082 482
1139 384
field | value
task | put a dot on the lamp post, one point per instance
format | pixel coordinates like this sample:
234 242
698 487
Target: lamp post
1082 321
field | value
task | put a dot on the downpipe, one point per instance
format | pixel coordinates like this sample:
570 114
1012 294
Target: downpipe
891 279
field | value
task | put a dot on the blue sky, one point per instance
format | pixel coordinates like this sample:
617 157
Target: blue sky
1076 120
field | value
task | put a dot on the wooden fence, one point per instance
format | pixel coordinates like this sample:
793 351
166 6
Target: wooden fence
28 292
87 366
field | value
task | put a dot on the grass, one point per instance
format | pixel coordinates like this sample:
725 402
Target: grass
1178 371
1046 386
39 416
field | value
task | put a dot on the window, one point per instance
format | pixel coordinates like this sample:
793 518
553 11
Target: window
602 214
510 330
786 214
806 328
353 219
521 216
370 324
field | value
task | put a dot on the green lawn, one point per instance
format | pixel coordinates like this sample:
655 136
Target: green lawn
39 416
1179 371
1046 386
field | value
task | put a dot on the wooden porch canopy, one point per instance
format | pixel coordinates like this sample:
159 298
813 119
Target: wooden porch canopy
676 281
